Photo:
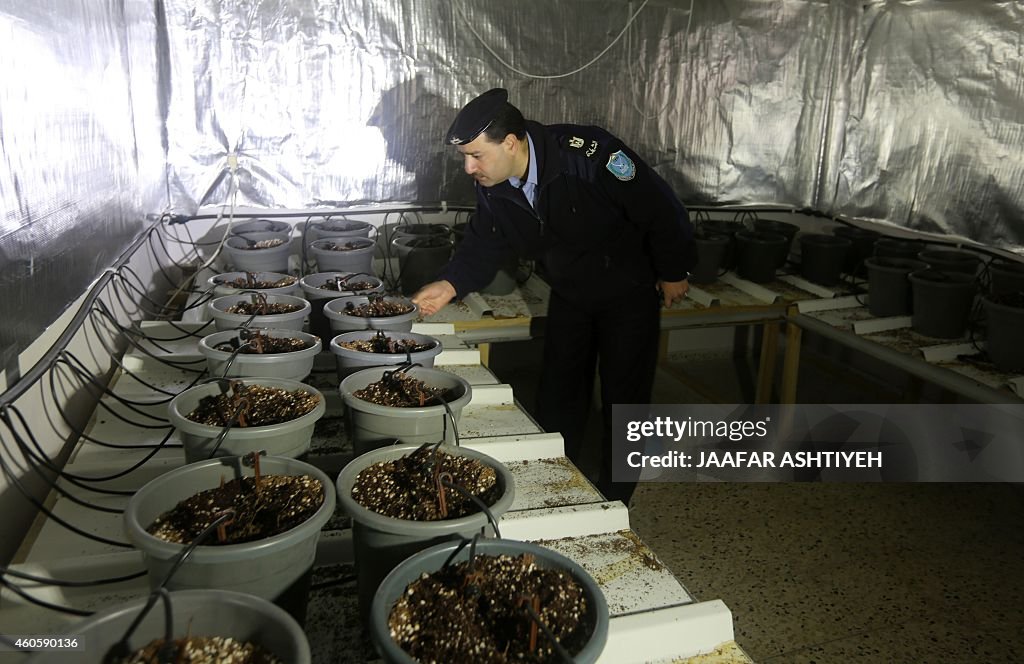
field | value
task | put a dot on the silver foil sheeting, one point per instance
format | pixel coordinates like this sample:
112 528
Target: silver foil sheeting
82 157
906 113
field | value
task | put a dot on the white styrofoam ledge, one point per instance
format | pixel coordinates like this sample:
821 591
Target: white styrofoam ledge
756 291
569 521
668 634
808 286
701 296
456 356
948 352
827 304
875 325
520 448
492 395
434 329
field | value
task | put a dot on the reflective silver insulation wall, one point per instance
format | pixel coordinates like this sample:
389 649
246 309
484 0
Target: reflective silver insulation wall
82 157
908 113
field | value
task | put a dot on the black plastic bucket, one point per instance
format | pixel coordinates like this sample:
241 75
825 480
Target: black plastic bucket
1007 277
783 228
757 254
863 245
889 292
421 259
951 260
888 247
942 302
821 257
711 252
729 229
1005 329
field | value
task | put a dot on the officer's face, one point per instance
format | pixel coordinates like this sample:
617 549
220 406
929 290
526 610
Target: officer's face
488 162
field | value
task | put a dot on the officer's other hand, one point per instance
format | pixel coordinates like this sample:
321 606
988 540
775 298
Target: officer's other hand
433 296
673 291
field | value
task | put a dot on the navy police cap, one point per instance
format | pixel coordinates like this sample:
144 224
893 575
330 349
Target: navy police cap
476 116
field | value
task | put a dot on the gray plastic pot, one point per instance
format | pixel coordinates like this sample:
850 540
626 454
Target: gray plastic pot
261 226
274 568
295 365
357 259
436 557
313 285
338 228
381 542
349 361
421 230
371 425
228 321
271 259
340 321
239 616
318 296
1004 331
287 439
951 260
217 283
1007 277
942 302
889 292
821 257
420 259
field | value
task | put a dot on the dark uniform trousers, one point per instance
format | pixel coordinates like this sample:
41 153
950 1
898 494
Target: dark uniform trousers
618 336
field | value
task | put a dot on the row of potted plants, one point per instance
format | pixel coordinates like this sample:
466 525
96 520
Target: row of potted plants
424 574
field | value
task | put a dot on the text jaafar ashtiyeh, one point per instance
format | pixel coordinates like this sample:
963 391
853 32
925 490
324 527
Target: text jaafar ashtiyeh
747 459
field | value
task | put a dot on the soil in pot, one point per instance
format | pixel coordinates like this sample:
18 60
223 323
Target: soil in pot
476 611
262 308
341 286
409 487
377 309
263 506
250 282
399 390
203 650
253 406
269 243
342 246
258 343
383 344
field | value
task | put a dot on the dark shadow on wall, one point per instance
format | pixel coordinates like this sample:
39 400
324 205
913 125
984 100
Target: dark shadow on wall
413 121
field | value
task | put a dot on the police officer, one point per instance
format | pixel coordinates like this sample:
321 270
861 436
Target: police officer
611 239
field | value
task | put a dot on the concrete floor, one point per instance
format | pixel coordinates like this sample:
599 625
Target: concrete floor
830 572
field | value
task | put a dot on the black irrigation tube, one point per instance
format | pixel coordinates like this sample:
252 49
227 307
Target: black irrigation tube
26 381
87 380
459 207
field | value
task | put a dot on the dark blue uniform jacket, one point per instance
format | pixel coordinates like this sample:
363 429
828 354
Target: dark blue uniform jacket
597 231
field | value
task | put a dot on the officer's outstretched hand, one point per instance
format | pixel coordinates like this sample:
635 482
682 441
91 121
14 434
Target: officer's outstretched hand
433 296
673 291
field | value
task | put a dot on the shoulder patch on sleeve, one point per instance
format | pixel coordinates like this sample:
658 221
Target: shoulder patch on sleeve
621 166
